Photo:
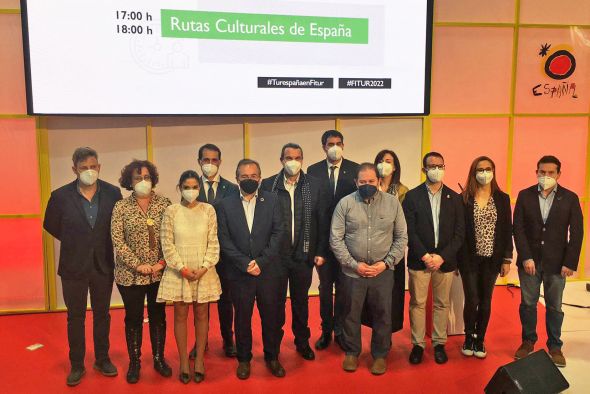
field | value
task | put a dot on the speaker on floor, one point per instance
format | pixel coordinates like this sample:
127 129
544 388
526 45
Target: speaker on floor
534 374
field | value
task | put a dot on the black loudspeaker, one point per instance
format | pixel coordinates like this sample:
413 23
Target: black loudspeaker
534 374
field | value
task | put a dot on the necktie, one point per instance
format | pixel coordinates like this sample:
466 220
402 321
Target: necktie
210 193
332 181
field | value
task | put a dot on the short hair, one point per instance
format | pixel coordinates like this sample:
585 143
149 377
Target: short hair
291 145
431 154
211 147
83 153
127 172
188 174
367 167
245 162
331 133
397 175
549 160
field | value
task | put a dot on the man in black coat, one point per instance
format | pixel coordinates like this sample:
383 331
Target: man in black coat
337 174
250 233
548 233
436 231
79 216
304 211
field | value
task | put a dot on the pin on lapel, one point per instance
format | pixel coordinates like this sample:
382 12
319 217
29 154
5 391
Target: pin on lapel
558 198
261 199
448 196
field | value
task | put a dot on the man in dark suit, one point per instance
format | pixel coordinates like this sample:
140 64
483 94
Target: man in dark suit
337 174
304 211
79 216
548 233
436 230
250 232
212 189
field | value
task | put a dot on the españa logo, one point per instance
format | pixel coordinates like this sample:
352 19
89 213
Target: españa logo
558 64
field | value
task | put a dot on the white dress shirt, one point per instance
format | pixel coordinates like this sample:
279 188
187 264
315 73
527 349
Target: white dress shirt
336 172
249 209
206 184
290 187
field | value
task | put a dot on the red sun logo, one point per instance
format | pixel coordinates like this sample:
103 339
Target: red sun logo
560 64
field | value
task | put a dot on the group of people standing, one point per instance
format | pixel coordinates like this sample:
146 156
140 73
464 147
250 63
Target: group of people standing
252 242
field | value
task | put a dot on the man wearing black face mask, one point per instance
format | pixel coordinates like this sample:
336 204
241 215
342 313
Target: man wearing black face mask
368 237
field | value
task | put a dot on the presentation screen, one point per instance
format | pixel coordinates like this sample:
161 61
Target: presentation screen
222 57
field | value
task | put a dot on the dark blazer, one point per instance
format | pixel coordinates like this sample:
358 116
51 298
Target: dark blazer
224 189
548 244
320 221
345 184
239 246
502 233
81 245
421 228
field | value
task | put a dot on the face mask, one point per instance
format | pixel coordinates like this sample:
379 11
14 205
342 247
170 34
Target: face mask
335 153
143 188
249 186
384 169
209 169
367 191
292 167
546 182
435 175
88 177
483 178
190 195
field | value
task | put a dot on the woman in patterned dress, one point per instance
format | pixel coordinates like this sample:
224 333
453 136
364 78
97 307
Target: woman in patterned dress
191 249
487 250
135 229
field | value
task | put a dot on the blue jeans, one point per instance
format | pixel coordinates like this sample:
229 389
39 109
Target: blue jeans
530 286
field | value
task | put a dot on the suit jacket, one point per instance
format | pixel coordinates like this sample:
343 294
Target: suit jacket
502 233
548 243
319 227
81 245
345 184
451 231
224 189
239 246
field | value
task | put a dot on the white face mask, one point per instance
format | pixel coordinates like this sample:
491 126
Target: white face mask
435 175
190 195
88 177
335 153
143 188
385 169
483 178
209 170
292 167
546 182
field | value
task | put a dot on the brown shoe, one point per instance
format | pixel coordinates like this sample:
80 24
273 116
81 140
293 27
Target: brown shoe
379 366
350 363
557 357
524 350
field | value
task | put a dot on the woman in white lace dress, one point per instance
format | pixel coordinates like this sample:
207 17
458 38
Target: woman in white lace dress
191 249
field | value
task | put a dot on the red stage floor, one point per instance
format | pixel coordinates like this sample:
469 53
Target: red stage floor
45 370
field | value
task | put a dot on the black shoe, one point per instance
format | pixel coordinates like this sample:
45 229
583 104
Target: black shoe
75 376
243 371
133 372
158 339
467 348
162 367
416 354
229 349
193 353
134 339
106 368
440 356
184 377
479 350
324 341
276 368
199 377
339 342
306 352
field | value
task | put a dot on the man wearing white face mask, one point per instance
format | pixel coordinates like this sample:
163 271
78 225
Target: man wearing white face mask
303 203
337 174
79 215
548 234
436 230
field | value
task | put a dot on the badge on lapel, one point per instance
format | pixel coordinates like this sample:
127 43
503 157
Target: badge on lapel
448 196
261 199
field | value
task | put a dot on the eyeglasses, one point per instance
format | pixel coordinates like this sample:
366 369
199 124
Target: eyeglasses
482 170
435 167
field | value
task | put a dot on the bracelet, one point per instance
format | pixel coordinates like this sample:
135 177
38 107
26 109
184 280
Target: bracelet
184 272
162 263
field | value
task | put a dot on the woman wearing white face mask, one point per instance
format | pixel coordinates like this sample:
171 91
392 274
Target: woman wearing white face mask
389 169
486 252
135 229
191 249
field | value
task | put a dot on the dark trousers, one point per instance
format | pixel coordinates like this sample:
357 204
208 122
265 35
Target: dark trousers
398 302
75 292
133 299
330 305
376 292
530 289
266 292
299 277
225 310
478 285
